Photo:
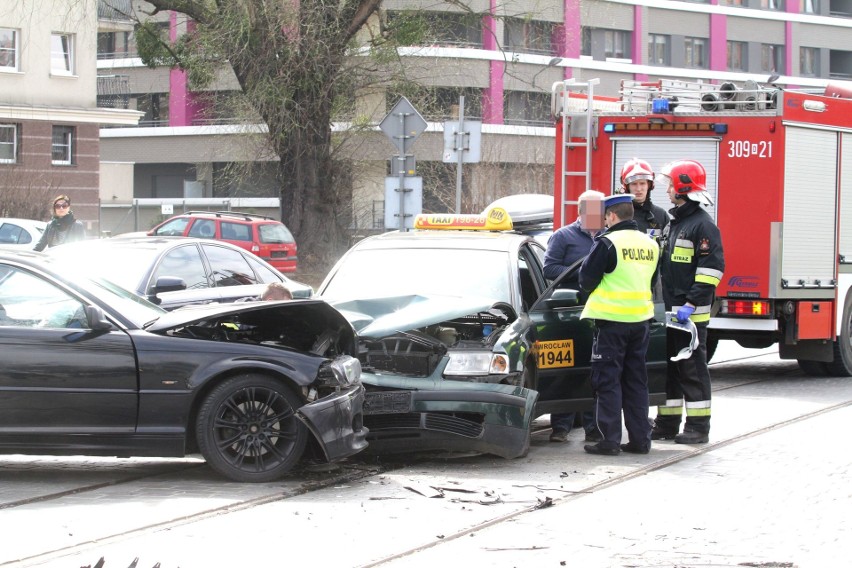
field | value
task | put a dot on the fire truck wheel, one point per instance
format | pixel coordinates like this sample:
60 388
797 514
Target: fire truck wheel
815 368
842 364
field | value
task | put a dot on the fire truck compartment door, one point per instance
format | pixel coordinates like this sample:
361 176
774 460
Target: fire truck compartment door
809 233
846 198
660 151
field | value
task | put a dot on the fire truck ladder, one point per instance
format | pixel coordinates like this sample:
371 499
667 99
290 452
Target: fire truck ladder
577 127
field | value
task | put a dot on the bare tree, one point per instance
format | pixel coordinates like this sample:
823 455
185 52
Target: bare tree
289 59
24 195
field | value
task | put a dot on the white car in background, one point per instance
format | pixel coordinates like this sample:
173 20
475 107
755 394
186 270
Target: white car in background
531 213
20 234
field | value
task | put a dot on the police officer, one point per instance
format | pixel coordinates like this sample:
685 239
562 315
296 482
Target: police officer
620 272
565 247
691 267
637 179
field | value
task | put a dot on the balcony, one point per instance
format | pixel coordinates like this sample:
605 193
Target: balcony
115 10
114 91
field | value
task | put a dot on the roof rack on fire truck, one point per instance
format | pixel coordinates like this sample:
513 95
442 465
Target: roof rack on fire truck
668 95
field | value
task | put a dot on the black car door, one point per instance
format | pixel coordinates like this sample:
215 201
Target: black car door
58 377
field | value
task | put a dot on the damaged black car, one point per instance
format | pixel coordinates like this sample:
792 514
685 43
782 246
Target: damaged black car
92 369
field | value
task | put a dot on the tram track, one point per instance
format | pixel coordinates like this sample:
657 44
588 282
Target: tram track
607 483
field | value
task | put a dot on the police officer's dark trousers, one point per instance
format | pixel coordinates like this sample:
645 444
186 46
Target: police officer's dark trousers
620 381
686 380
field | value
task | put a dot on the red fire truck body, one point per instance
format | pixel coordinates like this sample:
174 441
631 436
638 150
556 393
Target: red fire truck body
779 166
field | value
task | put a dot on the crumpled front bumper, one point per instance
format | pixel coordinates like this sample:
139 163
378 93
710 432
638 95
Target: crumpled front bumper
405 414
337 422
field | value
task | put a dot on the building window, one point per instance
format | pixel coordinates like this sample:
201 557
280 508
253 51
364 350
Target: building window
8 49
809 6
61 54
808 61
771 58
441 29
63 146
617 44
658 50
529 36
770 4
695 52
116 45
156 109
8 143
737 56
586 41
524 107
733 2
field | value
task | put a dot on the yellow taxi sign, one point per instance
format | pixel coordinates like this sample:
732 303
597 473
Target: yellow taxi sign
495 219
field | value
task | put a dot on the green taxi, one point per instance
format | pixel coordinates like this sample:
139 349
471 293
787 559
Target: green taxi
463 341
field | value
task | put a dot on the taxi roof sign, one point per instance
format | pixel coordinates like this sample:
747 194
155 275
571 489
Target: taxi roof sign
494 219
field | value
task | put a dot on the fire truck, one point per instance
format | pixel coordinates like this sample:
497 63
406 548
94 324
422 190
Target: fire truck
779 167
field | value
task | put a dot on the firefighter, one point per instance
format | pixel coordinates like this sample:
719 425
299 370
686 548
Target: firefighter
637 179
619 273
690 269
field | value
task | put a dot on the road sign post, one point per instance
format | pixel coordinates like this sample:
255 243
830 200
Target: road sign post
402 126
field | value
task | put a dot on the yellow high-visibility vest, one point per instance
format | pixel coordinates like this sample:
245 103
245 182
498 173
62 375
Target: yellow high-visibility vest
625 293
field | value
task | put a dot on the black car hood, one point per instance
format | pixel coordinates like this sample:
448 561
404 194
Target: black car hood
189 315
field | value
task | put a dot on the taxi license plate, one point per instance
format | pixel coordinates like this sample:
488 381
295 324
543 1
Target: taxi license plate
554 354
387 402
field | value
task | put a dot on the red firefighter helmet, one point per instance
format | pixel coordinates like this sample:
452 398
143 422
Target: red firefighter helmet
634 170
688 179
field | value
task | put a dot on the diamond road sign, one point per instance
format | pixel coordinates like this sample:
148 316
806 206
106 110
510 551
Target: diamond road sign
403 125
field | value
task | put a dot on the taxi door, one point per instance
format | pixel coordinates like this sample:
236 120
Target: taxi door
562 346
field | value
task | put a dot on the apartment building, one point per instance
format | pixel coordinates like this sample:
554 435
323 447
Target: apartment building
502 56
49 117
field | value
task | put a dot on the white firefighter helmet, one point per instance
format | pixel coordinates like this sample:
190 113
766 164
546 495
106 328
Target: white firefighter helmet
635 170
689 327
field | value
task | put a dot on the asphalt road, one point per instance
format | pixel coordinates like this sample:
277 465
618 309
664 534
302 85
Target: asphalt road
770 489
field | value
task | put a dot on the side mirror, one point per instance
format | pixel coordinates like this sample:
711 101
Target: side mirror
96 319
563 298
168 284
302 294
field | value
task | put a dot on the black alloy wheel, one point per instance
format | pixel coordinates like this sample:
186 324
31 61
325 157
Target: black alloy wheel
248 431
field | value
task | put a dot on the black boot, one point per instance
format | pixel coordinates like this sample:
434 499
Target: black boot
658 433
692 437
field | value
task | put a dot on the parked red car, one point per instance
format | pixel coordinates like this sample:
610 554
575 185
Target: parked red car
266 237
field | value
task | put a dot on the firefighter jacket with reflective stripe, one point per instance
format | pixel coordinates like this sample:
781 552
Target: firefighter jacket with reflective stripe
692 260
620 271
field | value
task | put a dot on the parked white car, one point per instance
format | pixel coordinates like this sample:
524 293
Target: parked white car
20 234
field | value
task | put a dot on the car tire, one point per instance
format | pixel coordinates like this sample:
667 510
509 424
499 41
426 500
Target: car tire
248 431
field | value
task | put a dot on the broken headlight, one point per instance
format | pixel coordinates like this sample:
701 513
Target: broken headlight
465 362
341 372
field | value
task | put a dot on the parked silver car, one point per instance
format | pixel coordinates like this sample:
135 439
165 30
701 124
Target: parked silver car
20 234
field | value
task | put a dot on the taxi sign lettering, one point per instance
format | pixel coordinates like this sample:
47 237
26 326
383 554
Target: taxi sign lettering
496 219
554 354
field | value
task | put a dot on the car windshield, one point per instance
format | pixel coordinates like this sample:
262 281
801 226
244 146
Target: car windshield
135 308
399 272
123 265
274 233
